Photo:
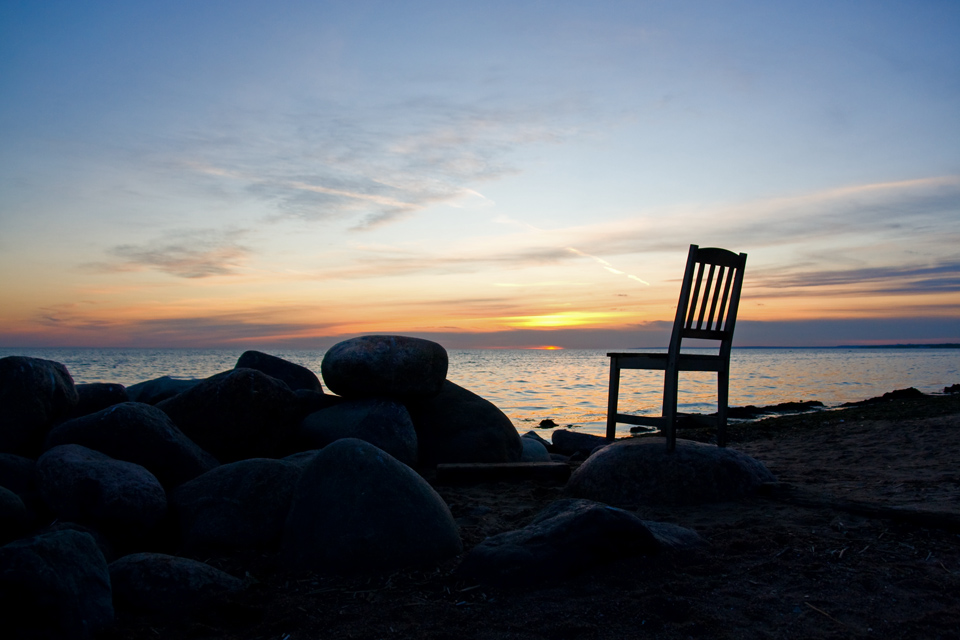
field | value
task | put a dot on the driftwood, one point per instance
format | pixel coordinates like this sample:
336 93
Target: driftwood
784 492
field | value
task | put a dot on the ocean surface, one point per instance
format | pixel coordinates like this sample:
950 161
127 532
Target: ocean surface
569 386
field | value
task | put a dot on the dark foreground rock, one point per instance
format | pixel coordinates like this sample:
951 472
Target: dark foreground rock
94 396
240 505
566 539
356 509
910 393
459 426
159 389
14 517
161 583
237 414
113 496
34 395
396 367
295 376
569 443
384 423
54 586
640 471
141 434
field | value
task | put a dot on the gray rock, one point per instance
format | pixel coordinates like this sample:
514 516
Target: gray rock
14 518
54 586
141 434
160 583
17 473
113 496
571 442
459 426
96 396
237 414
294 375
533 435
397 367
241 505
159 389
565 539
301 458
383 423
357 509
637 472
34 395
533 451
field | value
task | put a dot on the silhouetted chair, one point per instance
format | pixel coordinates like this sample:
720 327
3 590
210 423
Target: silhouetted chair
707 310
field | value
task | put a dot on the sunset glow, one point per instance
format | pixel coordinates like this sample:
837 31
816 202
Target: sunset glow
506 174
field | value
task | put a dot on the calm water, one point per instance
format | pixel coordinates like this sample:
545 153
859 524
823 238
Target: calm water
570 386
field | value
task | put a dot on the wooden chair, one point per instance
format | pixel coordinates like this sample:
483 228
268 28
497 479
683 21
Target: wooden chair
707 310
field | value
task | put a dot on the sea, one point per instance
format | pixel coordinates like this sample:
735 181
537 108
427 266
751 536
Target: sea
569 386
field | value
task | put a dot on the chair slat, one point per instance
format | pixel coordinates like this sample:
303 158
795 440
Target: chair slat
713 322
726 297
706 297
692 305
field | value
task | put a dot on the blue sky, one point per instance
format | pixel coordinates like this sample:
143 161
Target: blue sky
489 174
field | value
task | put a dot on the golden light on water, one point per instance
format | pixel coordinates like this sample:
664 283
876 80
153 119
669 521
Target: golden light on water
563 319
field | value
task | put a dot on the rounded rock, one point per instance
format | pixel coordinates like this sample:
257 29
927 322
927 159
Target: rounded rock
397 367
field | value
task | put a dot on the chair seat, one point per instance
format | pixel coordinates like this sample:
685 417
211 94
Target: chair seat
655 361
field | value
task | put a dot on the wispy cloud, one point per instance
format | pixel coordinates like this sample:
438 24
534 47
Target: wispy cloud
185 254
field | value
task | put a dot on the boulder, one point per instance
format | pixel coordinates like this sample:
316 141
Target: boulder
296 376
14 518
397 367
311 401
533 435
459 426
357 509
95 396
160 583
384 423
17 473
159 389
237 414
567 538
54 586
569 443
89 487
301 458
533 451
636 472
240 505
141 434
34 395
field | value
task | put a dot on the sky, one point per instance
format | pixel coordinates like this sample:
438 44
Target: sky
497 174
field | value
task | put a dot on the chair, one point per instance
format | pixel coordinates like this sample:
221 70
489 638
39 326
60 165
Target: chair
707 310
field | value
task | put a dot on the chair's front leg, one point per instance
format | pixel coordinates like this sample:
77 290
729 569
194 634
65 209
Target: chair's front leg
612 394
671 383
723 389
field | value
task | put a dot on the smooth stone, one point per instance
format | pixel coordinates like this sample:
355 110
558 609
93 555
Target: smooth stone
54 586
159 389
294 375
17 473
533 435
240 505
89 487
457 425
14 518
237 414
34 395
533 451
357 509
95 396
138 433
384 423
398 367
160 583
301 458
640 471
570 442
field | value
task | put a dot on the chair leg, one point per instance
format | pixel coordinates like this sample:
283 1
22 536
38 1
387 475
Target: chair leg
670 384
723 388
612 394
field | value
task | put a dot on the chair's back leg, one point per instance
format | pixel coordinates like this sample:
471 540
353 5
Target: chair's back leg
612 394
723 388
670 384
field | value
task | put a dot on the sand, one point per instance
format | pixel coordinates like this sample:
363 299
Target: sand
800 564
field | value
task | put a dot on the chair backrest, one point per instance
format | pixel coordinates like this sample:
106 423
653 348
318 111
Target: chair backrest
709 297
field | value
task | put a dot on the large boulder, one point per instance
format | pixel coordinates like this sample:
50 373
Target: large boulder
384 423
34 395
357 509
459 426
159 389
160 583
89 487
237 414
240 505
640 471
14 517
54 586
95 396
397 367
294 375
565 539
137 433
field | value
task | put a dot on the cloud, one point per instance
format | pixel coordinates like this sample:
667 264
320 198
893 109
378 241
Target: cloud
902 279
186 254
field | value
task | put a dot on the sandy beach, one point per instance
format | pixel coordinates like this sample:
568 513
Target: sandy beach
859 539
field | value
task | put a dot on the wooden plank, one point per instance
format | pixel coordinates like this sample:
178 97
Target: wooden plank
502 472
